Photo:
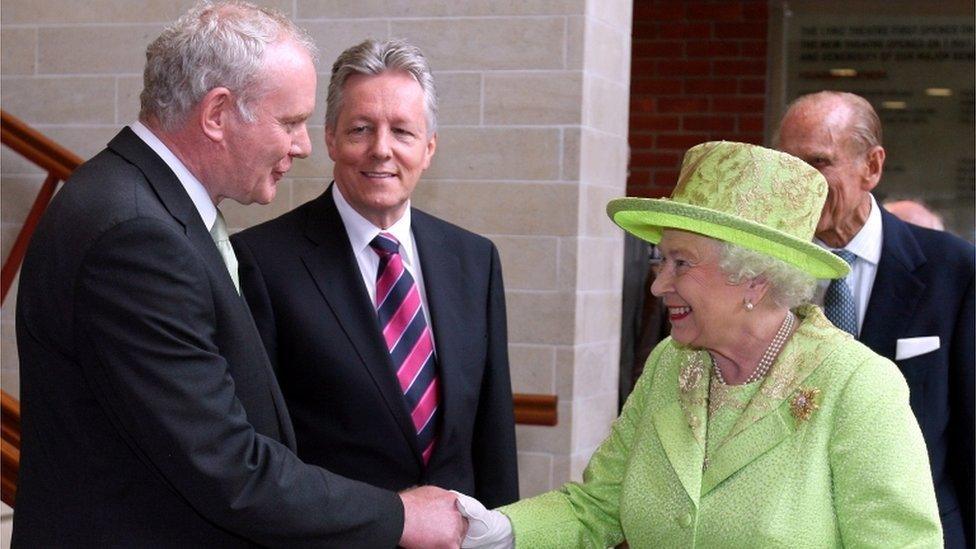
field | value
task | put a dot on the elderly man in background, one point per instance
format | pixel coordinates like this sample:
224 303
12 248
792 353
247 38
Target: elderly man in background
909 296
385 325
151 416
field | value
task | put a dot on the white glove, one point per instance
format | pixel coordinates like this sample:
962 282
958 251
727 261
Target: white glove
486 529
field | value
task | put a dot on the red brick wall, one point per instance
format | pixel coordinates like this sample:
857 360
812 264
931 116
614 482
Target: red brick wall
698 74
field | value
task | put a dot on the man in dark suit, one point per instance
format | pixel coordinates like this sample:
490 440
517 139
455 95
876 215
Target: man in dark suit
385 325
151 416
910 292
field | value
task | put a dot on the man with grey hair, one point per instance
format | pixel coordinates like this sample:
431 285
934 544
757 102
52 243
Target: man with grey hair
909 296
151 416
386 326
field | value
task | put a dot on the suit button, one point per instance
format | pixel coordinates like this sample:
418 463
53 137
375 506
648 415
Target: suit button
685 520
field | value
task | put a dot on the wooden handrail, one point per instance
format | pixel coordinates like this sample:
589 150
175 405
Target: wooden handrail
51 157
9 446
37 147
535 409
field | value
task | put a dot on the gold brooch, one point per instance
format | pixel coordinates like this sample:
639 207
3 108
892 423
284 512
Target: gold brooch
805 403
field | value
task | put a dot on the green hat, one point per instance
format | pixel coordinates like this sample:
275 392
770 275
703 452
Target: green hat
757 198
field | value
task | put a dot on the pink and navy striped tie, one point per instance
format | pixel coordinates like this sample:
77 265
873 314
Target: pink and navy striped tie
401 317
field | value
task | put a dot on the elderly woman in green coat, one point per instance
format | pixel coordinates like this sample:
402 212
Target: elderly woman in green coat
757 423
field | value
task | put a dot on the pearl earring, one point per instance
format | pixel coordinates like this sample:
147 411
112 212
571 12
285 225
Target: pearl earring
749 305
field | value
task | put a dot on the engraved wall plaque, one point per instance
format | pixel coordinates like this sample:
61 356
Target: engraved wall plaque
914 61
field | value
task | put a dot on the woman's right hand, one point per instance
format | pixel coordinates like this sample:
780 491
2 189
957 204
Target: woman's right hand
486 529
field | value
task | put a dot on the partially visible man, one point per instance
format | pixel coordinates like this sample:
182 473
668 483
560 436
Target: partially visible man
916 213
909 296
385 325
151 416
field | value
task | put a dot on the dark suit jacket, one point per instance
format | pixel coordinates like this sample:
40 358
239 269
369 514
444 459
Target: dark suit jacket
151 416
924 287
307 295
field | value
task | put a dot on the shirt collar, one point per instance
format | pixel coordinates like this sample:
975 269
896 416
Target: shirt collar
362 231
866 244
197 192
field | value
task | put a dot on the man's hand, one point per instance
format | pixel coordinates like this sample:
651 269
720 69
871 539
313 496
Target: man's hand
431 519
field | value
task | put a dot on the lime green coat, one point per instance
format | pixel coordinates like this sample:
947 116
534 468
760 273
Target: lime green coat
827 454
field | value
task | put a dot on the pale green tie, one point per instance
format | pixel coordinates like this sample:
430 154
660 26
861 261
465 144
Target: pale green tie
219 234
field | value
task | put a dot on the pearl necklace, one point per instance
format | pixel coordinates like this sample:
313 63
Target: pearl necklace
769 356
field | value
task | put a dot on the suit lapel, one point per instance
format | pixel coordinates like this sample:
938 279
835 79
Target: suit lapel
767 420
335 272
896 290
177 202
680 423
162 179
174 198
738 451
444 291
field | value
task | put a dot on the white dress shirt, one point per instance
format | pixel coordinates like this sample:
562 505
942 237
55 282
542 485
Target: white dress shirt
866 247
198 193
361 232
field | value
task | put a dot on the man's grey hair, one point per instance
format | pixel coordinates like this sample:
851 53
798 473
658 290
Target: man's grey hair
864 126
214 44
374 57
788 285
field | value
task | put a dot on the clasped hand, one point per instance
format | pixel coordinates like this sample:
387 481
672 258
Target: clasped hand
435 518
486 529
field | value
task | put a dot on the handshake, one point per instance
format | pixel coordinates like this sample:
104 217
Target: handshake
433 517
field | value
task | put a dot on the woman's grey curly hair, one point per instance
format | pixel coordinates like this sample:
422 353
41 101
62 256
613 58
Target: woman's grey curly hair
788 285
